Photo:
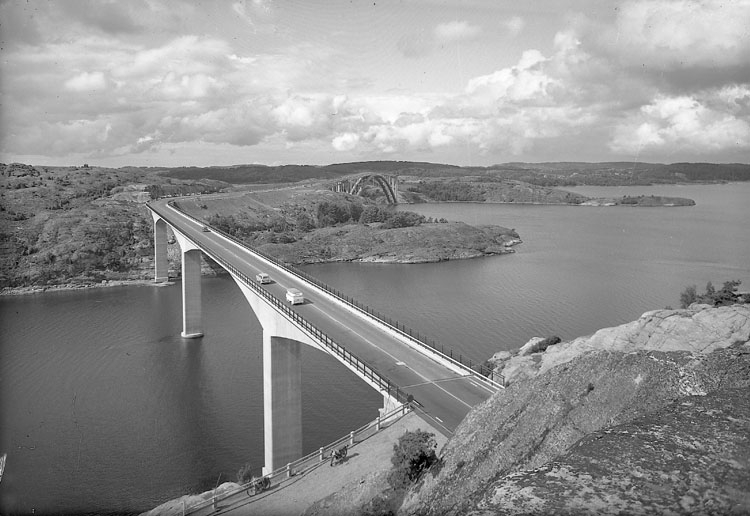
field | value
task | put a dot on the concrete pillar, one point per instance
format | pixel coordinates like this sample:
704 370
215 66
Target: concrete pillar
161 263
191 294
282 401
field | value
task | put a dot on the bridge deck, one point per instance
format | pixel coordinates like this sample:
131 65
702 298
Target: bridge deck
444 394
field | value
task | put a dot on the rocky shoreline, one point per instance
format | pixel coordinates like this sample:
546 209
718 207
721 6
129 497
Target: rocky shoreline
36 289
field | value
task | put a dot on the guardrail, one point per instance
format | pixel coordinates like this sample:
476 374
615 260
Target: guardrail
303 464
459 359
370 373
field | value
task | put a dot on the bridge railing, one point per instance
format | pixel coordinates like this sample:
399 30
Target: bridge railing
311 460
419 339
361 367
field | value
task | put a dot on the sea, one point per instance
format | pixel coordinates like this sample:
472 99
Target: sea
105 409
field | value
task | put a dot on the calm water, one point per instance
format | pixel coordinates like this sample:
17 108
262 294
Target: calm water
106 409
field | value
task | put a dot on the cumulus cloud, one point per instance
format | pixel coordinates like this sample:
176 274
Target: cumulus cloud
524 81
507 111
680 33
709 122
628 85
345 142
86 81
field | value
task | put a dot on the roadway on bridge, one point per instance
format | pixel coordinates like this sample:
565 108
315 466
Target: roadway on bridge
444 394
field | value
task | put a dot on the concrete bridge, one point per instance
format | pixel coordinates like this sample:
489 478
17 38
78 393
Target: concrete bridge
391 358
353 185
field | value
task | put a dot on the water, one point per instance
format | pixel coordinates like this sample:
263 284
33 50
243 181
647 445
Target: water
106 409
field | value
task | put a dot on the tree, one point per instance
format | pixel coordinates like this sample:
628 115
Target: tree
370 214
412 454
727 295
688 296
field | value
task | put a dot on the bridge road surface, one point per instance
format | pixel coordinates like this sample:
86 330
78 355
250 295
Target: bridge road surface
444 394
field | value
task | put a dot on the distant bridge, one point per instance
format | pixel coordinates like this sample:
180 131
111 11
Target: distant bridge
396 361
353 185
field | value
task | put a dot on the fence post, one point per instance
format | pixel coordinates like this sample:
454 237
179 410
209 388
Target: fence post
351 438
289 470
377 425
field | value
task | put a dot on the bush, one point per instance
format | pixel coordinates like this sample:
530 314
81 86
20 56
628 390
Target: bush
403 219
412 455
372 213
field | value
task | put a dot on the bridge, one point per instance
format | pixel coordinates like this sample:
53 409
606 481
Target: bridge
393 359
353 185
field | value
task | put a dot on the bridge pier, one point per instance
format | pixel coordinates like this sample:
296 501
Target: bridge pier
282 401
192 311
161 262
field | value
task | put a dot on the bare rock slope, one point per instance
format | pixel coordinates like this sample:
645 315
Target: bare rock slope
668 368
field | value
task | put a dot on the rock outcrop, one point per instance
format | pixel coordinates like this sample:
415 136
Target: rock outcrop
692 457
699 328
646 374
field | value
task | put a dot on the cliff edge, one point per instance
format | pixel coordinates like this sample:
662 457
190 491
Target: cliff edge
648 417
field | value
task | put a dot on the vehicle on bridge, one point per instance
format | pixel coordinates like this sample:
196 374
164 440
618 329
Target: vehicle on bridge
294 296
263 278
206 229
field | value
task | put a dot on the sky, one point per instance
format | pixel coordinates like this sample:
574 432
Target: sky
463 82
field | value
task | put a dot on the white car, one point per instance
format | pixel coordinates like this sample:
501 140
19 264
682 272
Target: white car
294 296
262 278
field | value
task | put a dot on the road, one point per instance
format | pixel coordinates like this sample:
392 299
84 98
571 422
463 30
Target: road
444 394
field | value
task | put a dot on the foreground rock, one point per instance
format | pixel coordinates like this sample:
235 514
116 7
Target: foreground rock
635 374
699 328
691 457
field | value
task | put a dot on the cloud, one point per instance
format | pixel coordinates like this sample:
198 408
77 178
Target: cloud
525 81
683 33
86 81
455 31
508 111
713 121
345 142
623 85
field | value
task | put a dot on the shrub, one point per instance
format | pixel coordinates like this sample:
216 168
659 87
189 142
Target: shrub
372 213
412 455
403 219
